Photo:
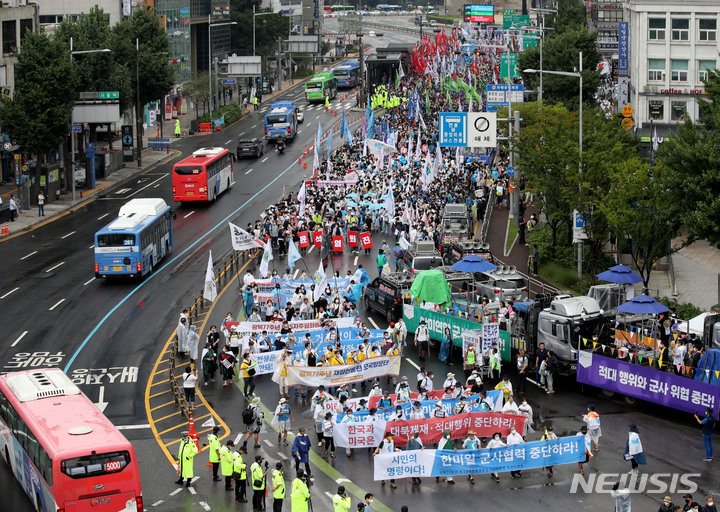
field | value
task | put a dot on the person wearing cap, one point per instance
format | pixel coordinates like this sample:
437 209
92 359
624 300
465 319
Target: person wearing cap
634 449
400 333
283 415
496 442
341 501
506 387
667 505
422 339
257 474
376 390
485 403
398 414
300 450
514 438
240 475
328 426
352 357
387 445
449 393
526 412
415 443
362 405
257 417
186 456
214 452
471 442
416 411
688 502
278 487
226 463
403 394
300 493
708 422
446 443
450 381
439 411
547 436
588 447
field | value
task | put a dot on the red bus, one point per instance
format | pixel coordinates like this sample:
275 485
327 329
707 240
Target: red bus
65 453
202 176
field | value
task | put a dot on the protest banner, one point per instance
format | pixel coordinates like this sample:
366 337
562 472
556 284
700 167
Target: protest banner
352 238
266 361
428 463
295 325
490 337
303 239
371 368
317 238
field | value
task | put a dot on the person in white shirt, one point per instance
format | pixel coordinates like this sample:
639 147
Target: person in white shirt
427 383
678 354
526 411
349 418
404 380
248 279
513 438
496 442
416 411
376 390
510 407
403 394
422 339
450 381
189 380
398 415
439 411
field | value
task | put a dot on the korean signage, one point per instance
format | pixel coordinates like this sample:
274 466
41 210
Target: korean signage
516 20
509 66
499 94
479 13
645 383
623 49
453 129
371 368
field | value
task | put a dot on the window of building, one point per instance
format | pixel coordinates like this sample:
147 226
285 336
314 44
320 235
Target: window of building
49 19
610 15
656 70
681 30
9 36
657 29
25 26
656 110
677 110
703 67
678 70
708 30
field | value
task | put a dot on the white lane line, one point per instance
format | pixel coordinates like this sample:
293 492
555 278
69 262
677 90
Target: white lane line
194 480
264 159
355 263
311 249
56 266
248 171
18 339
103 216
188 215
156 186
267 442
146 186
157 503
282 456
28 255
328 494
204 505
57 304
192 490
133 427
175 492
242 133
373 322
229 141
253 126
88 281
92 246
299 130
69 234
412 363
11 291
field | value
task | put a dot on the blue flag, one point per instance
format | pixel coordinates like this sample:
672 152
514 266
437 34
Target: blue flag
342 126
319 135
328 143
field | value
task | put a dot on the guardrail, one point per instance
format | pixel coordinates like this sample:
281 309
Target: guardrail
231 263
394 28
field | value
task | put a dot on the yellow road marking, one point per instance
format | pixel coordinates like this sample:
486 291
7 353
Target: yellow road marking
179 425
161 393
168 416
163 405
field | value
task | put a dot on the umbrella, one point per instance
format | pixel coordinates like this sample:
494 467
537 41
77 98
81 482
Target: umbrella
370 194
431 286
376 206
352 204
473 263
620 274
642 304
353 196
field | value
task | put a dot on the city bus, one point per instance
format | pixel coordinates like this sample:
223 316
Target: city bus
281 120
321 86
342 8
64 452
388 8
134 243
347 74
202 176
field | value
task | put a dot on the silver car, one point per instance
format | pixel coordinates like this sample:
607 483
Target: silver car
503 283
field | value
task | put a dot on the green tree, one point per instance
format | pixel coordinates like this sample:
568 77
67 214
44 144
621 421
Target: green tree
689 164
268 27
197 90
570 16
38 118
561 53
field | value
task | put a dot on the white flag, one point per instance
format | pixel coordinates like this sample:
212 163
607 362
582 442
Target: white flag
390 201
301 198
241 239
320 282
210 290
404 244
266 258
293 254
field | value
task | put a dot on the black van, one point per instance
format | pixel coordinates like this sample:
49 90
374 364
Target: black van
382 292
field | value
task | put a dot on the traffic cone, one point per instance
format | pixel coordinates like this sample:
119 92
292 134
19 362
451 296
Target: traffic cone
335 112
304 165
299 159
5 230
192 433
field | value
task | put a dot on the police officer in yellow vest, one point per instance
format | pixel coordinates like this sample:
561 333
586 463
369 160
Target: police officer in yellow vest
214 452
226 463
258 482
300 495
186 456
278 487
341 501
240 476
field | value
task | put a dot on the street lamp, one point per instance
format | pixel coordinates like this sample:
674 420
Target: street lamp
211 25
72 133
258 14
138 117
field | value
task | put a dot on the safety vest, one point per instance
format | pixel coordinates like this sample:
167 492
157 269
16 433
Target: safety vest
186 454
257 477
299 495
214 443
279 485
226 461
239 466
341 504
471 357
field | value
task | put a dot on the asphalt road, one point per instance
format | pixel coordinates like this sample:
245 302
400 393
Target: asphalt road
114 331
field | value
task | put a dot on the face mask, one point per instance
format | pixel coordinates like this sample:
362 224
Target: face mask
370 500
710 503
667 503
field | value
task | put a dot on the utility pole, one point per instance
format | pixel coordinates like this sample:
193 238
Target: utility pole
279 63
362 70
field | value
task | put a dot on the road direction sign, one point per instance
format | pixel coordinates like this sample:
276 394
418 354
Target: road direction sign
453 129
482 130
108 95
229 81
510 171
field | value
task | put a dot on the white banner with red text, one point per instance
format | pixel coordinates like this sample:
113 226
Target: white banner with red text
371 368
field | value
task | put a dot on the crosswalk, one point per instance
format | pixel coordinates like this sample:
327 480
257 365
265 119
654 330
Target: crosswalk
318 106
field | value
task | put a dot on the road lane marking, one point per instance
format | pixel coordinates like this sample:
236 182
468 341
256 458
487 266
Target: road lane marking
18 339
204 505
355 263
57 304
156 186
158 502
248 171
103 216
146 186
282 456
69 234
264 159
92 246
188 215
268 443
133 427
229 141
373 322
412 363
11 291
253 126
88 281
311 249
28 255
175 492
56 266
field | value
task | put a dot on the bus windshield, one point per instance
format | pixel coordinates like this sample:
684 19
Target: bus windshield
95 465
275 118
188 170
116 240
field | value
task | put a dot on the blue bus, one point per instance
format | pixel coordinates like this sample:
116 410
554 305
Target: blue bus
347 74
281 120
135 242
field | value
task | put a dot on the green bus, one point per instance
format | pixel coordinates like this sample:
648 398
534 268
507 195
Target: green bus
321 86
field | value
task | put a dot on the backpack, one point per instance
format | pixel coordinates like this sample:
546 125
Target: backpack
248 416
